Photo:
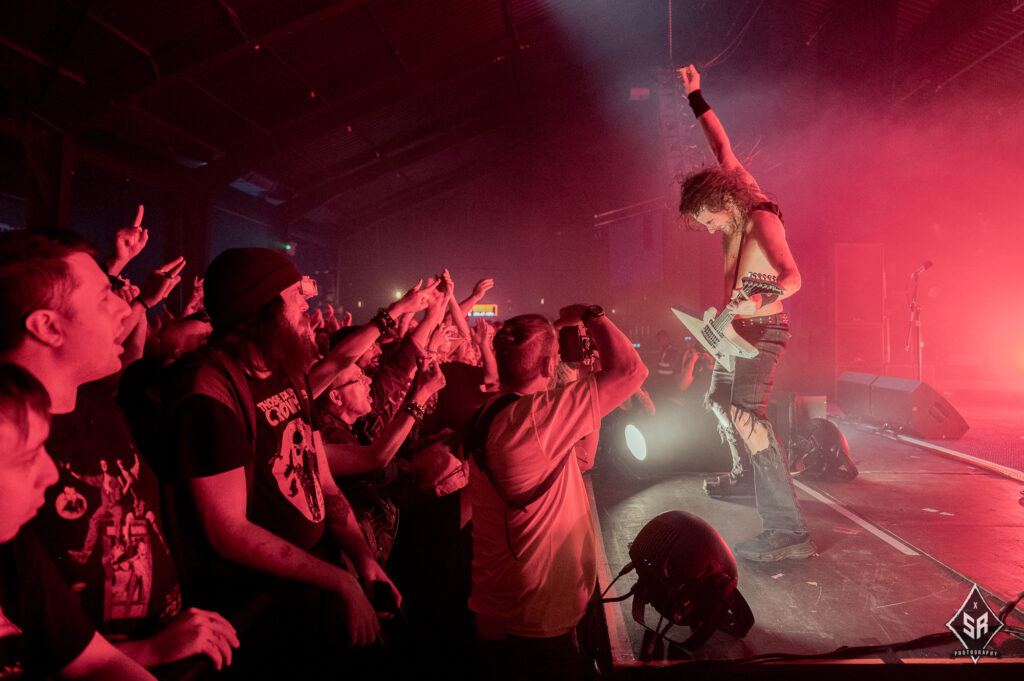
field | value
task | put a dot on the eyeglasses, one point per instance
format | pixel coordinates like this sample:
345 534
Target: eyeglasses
347 383
308 287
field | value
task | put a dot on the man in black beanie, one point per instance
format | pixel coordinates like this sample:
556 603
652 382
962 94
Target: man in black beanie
257 508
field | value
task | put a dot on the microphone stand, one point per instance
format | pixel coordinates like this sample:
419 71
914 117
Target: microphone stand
914 331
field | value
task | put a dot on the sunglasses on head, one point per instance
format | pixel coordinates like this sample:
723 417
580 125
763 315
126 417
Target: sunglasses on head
308 287
346 383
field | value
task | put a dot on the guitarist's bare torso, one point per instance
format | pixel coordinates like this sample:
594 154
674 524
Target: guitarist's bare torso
752 259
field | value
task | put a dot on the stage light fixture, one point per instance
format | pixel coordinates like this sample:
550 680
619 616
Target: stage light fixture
636 444
687 573
646 446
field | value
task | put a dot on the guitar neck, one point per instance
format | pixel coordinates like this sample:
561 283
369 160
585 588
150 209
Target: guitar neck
750 285
723 320
725 317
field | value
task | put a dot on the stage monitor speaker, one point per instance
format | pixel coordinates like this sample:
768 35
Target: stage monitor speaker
917 407
853 393
912 406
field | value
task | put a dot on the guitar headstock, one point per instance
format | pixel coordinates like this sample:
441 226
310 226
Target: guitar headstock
757 282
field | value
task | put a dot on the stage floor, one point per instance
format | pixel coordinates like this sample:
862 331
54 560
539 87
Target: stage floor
900 548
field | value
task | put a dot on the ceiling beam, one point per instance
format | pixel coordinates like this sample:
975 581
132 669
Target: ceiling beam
386 93
406 200
948 23
139 47
234 202
188 59
156 174
42 61
334 187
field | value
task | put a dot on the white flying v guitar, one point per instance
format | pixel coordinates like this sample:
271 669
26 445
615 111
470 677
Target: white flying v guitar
715 330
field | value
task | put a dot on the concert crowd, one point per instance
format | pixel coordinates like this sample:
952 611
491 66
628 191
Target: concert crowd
253 486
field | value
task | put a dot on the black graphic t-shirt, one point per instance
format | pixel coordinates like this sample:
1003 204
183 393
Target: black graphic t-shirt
208 437
101 523
42 627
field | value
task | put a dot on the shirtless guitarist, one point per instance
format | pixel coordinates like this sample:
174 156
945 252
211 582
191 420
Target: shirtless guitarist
727 200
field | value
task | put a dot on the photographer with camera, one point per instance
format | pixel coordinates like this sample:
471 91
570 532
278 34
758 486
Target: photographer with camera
534 549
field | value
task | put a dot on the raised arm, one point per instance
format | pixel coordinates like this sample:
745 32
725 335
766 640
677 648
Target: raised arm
479 289
622 371
458 316
128 243
713 129
349 350
158 285
348 459
483 336
437 302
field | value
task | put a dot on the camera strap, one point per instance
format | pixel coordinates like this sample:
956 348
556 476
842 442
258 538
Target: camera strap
479 426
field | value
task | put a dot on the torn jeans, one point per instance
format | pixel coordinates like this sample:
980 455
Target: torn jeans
749 388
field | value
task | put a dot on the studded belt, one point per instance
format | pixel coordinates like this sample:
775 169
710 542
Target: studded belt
780 318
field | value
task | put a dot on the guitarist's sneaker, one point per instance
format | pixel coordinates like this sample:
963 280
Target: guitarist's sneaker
730 486
772 545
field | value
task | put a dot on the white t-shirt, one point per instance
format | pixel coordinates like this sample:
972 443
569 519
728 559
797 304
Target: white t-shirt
544 593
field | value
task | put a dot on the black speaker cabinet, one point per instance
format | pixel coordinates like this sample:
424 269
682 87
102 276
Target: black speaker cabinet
853 393
913 406
916 406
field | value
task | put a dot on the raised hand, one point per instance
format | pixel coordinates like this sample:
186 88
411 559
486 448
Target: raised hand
481 287
128 292
128 243
691 79
316 319
330 319
448 284
196 300
414 300
161 282
482 333
429 380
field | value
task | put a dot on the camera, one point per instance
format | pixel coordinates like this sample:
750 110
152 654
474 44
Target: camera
574 345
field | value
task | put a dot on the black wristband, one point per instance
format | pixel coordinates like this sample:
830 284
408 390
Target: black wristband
417 410
697 103
591 312
142 302
384 321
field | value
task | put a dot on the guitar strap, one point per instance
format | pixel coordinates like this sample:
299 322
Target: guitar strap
736 269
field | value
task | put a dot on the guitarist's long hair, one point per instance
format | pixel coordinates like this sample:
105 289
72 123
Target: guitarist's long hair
708 189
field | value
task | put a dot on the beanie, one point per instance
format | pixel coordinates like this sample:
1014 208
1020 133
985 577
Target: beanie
242 281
